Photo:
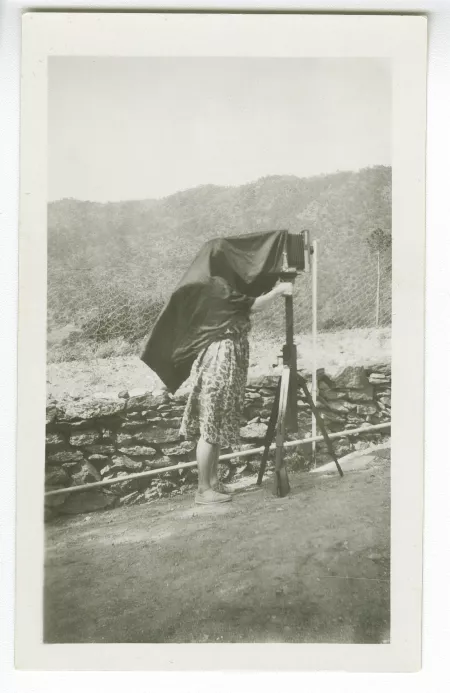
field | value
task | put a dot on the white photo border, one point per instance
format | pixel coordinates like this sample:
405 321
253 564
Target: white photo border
402 39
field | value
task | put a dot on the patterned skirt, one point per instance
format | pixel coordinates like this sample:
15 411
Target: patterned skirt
219 376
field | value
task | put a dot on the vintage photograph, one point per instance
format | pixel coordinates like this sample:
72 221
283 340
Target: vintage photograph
221 319
219 302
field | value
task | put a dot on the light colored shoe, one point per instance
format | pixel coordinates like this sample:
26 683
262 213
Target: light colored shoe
210 497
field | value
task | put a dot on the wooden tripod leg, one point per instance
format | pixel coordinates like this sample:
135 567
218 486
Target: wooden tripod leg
320 423
281 479
281 486
270 433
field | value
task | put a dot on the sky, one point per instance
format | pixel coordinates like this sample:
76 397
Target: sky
142 128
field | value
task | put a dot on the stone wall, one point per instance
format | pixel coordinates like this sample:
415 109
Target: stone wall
106 436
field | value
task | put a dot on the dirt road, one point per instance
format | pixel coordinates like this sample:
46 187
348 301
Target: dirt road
310 568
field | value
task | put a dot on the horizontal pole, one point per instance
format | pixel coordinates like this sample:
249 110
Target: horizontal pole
222 458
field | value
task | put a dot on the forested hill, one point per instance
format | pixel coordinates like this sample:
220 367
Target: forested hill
132 253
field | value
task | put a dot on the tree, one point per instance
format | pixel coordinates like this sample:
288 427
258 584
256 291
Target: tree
379 241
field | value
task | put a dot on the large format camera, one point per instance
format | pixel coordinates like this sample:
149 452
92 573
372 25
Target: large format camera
297 255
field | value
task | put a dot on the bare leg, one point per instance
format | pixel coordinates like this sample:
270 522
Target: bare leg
214 478
206 455
207 460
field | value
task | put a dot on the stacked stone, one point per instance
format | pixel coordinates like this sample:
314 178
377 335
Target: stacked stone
111 436
107 437
356 397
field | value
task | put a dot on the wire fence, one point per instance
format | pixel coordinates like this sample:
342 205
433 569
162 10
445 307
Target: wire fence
109 310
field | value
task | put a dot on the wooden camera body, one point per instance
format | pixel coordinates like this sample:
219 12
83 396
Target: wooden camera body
297 254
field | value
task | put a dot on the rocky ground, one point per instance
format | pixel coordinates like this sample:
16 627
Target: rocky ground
313 567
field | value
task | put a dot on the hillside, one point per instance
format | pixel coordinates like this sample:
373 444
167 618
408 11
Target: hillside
112 265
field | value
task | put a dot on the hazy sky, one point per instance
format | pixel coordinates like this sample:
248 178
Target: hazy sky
135 128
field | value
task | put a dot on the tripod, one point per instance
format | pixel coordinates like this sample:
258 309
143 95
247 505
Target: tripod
283 416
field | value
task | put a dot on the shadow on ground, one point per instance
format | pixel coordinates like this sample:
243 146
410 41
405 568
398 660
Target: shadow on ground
309 568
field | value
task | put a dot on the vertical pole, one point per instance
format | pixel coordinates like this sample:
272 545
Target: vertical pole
290 359
314 344
377 310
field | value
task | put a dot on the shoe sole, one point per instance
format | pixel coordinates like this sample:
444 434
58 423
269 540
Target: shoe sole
199 501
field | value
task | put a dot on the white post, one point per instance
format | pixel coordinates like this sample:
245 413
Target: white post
377 310
314 344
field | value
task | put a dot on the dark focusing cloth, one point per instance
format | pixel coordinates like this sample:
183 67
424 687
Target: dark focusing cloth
218 288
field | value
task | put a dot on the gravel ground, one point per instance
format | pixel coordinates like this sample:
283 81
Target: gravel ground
313 567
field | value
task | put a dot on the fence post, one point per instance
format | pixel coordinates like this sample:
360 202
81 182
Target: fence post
314 345
377 306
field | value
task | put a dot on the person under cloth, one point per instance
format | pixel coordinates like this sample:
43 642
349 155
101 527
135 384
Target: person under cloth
219 377
202 333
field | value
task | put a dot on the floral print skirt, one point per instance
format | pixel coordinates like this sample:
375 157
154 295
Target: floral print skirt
214 407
